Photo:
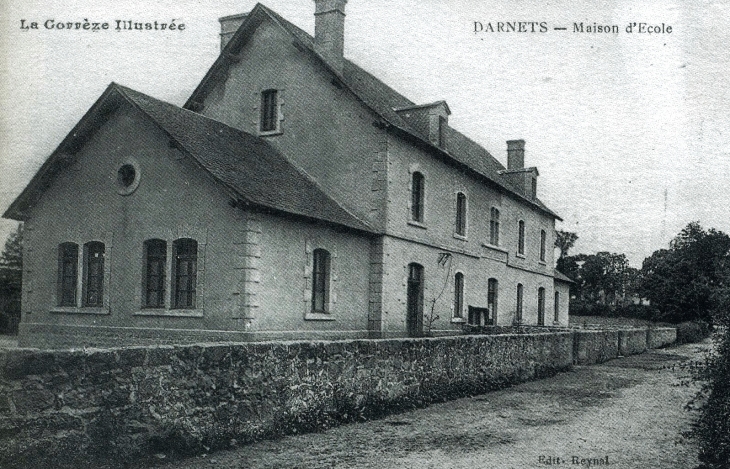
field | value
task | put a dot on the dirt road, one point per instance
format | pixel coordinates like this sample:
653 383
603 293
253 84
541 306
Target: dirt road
627 413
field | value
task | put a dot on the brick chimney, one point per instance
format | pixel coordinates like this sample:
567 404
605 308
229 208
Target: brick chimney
521 178
229 25
515 154
329 31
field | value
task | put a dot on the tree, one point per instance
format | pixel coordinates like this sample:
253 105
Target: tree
564 240
11 280
684 281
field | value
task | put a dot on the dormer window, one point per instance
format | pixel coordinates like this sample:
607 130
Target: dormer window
269 111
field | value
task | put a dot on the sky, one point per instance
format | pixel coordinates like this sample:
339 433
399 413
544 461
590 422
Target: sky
629 131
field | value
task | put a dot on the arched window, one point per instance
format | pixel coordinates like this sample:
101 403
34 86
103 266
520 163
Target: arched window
320 281
269 110
494 227
68 259
417 192
518 309
94 274
458 295
154 279
540 306
461 214
557 306
184 272
521 237
543 237
492 287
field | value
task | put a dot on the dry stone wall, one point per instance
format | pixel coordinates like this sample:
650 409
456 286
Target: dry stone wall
658 337
75 408
631 341
85 408
592 346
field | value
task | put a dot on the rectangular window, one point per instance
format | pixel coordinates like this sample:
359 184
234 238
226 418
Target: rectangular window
68 255
518 312
442 132
185 270
320 281
460 214
557 306
94 275
417 190
494 227
459 295
269 111
155 262
543 237
541 306
521 238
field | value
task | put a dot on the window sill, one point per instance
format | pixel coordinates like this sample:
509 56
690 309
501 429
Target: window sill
270 133
179 313
494 247
542 263
458 320
461 237
520 256
318 317
75 310
417 224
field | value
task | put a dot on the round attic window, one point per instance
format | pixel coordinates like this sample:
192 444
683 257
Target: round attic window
128 177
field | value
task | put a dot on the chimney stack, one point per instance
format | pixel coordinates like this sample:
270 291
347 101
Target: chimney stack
229 25
515 154
329 31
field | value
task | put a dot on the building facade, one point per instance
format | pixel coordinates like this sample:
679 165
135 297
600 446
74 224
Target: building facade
294 195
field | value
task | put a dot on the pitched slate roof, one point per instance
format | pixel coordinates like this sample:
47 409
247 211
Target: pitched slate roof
383 100
558 275
246 165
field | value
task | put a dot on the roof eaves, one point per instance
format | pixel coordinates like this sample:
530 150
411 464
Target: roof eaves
235 194
15 211
232 192
446 155
293 30
424 106
558 275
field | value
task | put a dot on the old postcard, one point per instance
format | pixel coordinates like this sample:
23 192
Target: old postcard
298 170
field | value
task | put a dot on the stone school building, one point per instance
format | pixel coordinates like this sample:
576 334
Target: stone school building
294 195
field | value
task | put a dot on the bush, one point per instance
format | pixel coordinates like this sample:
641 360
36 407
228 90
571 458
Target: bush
713 427
584 308
646 312
692 331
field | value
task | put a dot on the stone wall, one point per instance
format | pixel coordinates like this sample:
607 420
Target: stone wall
591 346
631 341
657 337
76 408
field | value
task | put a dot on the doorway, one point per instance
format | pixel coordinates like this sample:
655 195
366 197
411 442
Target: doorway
414 317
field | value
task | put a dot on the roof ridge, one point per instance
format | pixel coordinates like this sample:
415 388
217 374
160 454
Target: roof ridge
382 100
245 134
188 111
